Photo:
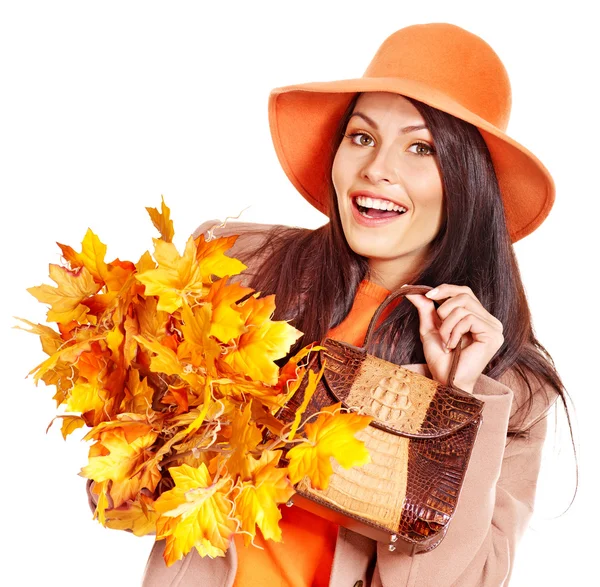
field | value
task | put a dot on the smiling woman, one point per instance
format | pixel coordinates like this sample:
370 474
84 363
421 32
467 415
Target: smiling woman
421 185
386 160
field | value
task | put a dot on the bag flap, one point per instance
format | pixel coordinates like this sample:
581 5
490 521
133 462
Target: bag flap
401 401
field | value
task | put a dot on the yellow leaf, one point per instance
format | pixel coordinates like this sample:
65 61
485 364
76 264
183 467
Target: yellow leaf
70 424
162 221
146 263
86 397
196 513
124 465
311 386
264 342
164 359
138 516
102 503
91 257
227 321
212 258
50 339
257 501
138 394
67 356
65 300
245 437
198 348
332 435
177 278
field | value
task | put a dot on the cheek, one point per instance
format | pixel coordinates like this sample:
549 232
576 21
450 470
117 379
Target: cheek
430 186
336 171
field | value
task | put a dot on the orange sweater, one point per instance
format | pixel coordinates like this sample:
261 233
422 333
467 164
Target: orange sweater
305 556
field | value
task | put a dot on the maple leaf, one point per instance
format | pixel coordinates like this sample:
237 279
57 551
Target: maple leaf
91 257
164 359
196 513
332 435
124 464
138 394
245 437
162 221
212 258
65 300
87 398
257 500
227 321
138 516
146 263
50 339
178 277
69 424
311 387
198 348
264 341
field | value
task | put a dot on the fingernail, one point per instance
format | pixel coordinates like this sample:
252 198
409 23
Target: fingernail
431 293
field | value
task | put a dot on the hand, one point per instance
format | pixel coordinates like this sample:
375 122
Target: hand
441 329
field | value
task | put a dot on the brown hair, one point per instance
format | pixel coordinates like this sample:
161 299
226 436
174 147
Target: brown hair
315 274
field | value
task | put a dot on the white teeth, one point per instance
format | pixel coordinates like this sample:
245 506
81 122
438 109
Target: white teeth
379 204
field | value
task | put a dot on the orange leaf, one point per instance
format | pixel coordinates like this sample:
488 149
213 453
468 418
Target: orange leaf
162 221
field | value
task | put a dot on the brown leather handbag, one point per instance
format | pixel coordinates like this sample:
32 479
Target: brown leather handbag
420 442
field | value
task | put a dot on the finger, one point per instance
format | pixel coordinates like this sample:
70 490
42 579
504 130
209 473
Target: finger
465 299
448 290
479 330
428 319
450 321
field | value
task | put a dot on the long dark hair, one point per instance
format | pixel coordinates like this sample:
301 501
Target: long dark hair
315 275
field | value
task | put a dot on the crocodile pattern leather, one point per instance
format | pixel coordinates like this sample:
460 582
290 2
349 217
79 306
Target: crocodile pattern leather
420 443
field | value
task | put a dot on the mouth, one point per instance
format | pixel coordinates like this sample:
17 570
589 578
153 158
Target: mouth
375 208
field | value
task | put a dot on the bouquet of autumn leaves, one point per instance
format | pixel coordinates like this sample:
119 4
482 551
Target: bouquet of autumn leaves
171 366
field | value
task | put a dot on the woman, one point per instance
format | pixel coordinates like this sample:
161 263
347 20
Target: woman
421 186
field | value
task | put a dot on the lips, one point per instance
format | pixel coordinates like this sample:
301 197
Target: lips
376 221
373 195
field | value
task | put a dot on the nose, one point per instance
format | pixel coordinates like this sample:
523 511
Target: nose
381 167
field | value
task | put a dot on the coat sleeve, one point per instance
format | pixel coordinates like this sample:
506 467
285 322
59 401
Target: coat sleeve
494 507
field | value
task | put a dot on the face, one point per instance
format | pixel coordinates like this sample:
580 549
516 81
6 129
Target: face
388 186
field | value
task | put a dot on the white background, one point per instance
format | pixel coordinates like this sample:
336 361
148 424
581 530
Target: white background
107 105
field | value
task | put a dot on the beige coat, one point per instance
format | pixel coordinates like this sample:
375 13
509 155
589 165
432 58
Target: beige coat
492 514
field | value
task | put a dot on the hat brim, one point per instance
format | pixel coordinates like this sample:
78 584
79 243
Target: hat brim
302 117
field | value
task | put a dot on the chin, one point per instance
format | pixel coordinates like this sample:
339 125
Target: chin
373 251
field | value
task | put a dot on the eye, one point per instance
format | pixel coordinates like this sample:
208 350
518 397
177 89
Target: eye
422 149
363 139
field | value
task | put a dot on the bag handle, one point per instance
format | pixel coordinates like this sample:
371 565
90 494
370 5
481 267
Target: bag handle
404 290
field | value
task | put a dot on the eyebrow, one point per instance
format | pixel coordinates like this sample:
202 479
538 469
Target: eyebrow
403 130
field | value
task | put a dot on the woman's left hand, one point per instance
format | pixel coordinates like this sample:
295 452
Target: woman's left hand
442 328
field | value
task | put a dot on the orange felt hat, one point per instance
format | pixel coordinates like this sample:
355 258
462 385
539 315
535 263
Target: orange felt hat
441 65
